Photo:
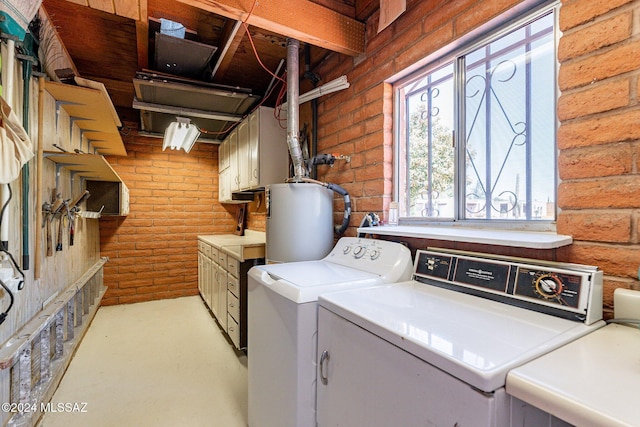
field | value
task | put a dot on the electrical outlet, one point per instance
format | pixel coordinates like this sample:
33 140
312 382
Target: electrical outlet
626 304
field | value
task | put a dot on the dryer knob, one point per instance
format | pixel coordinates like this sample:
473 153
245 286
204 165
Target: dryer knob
359 251
346 249
374 254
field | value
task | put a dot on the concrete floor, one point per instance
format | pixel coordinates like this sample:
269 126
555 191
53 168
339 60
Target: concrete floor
159 363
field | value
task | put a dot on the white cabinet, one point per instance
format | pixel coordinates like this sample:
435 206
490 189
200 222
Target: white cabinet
224 185
223 155
235 302
254 155
206 270
214 282
253 151
222 283
228 174
219 296
201 275
223 264
234 174
266 150
244 162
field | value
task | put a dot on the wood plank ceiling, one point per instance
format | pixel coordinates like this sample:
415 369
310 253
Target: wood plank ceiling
110 40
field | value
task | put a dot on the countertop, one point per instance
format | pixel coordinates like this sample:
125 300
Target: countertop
593 381
249 246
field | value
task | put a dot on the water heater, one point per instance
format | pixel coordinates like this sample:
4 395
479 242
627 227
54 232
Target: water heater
299 222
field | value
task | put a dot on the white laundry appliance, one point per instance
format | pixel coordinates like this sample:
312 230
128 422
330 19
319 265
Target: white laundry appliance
436 350
282 323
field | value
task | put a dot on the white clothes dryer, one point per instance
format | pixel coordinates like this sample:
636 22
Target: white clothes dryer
437 350
282 323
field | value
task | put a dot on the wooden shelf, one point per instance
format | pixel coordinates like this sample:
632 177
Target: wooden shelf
90 166
92 111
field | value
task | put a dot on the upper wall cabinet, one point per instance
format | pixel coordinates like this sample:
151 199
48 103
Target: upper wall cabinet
255 154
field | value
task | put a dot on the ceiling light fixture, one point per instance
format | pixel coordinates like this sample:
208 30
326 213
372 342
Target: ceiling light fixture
180 134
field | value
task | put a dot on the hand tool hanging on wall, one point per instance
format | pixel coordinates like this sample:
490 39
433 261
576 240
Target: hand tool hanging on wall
73 209
51 210
63 212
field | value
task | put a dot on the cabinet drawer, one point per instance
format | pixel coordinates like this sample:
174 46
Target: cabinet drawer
233 285
206 249
233 266
233 330
222 260
201 246
213 254
233 306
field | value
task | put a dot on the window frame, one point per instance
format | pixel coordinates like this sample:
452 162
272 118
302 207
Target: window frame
452 54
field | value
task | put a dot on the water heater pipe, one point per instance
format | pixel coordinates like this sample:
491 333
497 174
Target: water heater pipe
293 89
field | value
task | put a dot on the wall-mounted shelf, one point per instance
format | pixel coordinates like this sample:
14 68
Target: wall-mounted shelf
91 110
89 166
109 194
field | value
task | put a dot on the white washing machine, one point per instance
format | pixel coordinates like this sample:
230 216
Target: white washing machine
282 323
436 350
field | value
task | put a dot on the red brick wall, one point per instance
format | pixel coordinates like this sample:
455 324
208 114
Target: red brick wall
598 138
153 250
359 120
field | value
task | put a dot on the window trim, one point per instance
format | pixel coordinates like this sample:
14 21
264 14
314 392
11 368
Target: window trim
502 25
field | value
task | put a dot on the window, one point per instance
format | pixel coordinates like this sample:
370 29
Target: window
476 133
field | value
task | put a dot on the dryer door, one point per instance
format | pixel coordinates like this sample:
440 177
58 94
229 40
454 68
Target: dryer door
370 382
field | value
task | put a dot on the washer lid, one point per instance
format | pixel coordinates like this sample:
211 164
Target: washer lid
474 339
303 281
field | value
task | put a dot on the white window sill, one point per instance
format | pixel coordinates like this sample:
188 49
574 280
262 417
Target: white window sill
486 236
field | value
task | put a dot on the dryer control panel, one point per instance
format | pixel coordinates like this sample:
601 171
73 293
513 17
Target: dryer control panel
565 290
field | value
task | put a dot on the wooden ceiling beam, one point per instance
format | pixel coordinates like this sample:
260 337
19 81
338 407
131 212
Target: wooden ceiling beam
233 34
142 36
125 8
302 20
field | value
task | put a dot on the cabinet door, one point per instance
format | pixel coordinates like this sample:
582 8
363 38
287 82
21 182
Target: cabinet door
208 279
253 149
224 186
213 290
223 155
244 162
221 298
201 273
234 176
364 380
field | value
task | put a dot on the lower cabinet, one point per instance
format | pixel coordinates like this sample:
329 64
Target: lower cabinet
222 282
218 303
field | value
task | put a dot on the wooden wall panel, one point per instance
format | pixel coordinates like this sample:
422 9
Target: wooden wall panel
63 267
